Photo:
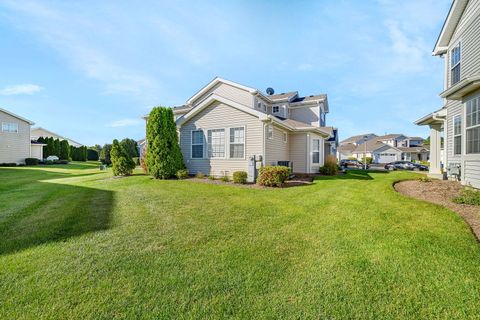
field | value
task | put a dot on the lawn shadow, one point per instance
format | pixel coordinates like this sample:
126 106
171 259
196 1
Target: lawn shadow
39 212
353 175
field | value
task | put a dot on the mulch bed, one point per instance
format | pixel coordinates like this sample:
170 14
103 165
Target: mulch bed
442 192
295 182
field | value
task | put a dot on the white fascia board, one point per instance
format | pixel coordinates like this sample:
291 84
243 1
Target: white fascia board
215 82
214 97
17 116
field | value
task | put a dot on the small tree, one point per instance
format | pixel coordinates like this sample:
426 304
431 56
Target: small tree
130 146
164 157
64 150
105 154
122 163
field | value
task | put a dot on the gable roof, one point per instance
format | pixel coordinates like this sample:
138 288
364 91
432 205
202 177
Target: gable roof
354 139
371 146
17 116
70 141
216 81
348 148
453 18
283 96
389 136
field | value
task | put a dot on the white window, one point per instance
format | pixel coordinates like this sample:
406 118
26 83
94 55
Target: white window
316 151
269 132
275 109
197 144
285 137
10 127
457 134
473 125
237 143
216 143
455 61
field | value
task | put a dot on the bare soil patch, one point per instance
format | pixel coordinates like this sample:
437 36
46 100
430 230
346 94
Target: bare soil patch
442 192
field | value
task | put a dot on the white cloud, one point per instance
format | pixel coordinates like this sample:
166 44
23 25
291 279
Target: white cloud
124 123
20 89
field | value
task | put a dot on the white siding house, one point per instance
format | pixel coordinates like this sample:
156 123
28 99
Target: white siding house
15 144
225 124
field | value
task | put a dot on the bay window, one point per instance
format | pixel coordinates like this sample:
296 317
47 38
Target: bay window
473 125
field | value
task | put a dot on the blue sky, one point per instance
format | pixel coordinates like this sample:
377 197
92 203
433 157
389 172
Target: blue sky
90 69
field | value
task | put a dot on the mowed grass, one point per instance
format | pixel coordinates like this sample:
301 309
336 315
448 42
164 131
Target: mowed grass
76 244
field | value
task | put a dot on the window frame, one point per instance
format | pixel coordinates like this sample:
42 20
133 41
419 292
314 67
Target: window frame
471 127
8 124
269 131
284 137
237 143
457 135
224 143
313 151
458 64
278 109
197 144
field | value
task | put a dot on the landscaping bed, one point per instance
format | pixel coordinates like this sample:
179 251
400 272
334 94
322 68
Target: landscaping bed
442 192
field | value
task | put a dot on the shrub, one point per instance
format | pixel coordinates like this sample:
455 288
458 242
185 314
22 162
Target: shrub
468 196
130 147
424 179
136 160
122 163
212 177
200 175
8 164
48 162
31 161
182 174
225 178
240 177
105 154
273 176
164 157
368 159
60 162
92 155
330 167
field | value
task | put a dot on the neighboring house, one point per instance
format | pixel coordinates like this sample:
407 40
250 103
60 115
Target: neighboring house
41 132
15 142
226 125
141 147
459 118
384 149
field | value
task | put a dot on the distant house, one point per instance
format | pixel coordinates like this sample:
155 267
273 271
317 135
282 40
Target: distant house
15 142
459 117
384 149
227 127
41 132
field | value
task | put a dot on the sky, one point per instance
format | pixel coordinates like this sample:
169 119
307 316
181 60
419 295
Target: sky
89 70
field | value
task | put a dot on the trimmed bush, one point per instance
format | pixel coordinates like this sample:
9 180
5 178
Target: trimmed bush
240 177
48 162
212 177
92 155
8 164
273 176
330 167
225 178
200 175
122 163
31 161
368 159
164 157
182 174
468 196
60 162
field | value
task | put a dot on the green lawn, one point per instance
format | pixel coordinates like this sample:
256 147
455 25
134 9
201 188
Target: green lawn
77 244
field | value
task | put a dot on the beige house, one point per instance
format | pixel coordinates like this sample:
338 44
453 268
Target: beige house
15 142
41 132
459 117
227 127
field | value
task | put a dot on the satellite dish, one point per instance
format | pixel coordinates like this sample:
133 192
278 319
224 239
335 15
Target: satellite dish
270 91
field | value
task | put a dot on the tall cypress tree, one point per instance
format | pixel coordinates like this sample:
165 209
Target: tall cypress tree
164 157
64 150
56 148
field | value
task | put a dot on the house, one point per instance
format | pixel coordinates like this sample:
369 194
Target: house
41 132
227 127
384 149
15 142
459 117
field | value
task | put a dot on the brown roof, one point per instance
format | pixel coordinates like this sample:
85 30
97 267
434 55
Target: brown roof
181 109
371 145
281 96
302 125
389 136
349 147
356 138
310 98
413 149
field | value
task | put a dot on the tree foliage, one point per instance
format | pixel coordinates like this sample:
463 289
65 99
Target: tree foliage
130 146
64 150
164 157
122 163
105 154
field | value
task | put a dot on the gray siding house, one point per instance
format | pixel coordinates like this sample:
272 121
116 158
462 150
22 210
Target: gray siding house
225 124
459 117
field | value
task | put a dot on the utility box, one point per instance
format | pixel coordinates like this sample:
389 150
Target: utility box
252 169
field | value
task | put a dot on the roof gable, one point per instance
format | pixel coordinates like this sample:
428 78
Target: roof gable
16 116
213 83
449 26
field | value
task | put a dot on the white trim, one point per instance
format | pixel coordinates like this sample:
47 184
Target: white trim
17 116
456 135
453 18
224 143
285 137
9 123
216 81
270 129
244 142
464 125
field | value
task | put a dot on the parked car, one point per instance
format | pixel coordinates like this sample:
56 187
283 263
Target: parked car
52 158
352 163
405 165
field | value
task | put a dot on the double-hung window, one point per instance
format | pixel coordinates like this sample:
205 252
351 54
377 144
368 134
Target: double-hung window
10 127
473 125
284 137
455 61
316 151
275 109
216 143
457 134
269 132
197 144
237 143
